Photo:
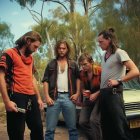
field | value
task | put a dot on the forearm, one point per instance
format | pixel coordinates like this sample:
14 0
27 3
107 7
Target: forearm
36 89
3 89
130 75
78 86
133 71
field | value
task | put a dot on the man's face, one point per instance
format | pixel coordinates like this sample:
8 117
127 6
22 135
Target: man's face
86 66
103 43
32 47
62 50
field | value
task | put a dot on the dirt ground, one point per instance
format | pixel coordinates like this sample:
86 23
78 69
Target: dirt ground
60 134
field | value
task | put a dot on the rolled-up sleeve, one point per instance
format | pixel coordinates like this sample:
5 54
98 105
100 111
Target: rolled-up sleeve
5 62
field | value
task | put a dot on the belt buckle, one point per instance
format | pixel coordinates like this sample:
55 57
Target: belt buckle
114 90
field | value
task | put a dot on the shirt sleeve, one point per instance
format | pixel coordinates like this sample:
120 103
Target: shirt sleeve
5 62
123 56
77 71
46 74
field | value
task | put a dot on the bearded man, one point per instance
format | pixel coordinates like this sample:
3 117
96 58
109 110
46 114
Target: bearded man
19 89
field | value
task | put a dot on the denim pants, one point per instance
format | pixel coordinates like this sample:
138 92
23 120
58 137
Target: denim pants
113 118
67 107
89 121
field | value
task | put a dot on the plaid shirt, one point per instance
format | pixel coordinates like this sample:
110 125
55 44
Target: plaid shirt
94 84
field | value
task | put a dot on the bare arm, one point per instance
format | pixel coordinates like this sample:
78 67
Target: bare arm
133 72
9 105
78 87
36 90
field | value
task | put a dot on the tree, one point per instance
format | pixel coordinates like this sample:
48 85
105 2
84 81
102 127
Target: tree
124 17
76 29
130 13
6 37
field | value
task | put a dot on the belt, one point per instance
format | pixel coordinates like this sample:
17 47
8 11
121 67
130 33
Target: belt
114 90
62 92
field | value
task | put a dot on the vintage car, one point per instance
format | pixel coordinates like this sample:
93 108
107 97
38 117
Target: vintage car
132 104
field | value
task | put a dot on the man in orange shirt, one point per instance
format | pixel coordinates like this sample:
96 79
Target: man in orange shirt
19 90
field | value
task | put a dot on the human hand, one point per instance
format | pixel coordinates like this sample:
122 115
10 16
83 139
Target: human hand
49 101
112 82
11 106
94 96
41 104
74 97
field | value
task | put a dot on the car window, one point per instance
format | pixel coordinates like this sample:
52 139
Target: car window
132 84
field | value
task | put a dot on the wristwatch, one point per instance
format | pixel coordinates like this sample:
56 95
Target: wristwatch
119 81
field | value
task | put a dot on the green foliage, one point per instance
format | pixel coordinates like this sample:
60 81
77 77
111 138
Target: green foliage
73 27
6 37
23 3
80 29
125 18
40 65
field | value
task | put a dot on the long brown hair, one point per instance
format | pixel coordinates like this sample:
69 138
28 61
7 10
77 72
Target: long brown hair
110 35
85 56
32 35
57 47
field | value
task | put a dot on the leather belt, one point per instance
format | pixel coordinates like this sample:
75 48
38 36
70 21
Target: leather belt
62 92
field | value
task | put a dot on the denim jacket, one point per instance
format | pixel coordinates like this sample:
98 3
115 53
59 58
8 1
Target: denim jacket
50 76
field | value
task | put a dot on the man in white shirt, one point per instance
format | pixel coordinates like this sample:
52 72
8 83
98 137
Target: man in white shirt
62 88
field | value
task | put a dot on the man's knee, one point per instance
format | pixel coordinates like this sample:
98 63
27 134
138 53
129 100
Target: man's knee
82 122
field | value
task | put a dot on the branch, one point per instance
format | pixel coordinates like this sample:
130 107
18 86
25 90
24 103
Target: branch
59 3
33 15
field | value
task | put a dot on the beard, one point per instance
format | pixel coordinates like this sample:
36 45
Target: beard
28 51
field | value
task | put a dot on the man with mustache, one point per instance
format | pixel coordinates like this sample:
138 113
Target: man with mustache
19 88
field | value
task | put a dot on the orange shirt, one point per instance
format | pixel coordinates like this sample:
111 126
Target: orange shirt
19 76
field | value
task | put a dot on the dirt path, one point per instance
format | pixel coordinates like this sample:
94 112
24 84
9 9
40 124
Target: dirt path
60 134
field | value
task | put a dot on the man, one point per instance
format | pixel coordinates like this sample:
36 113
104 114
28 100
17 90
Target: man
90 75
115 61
19 89
61 87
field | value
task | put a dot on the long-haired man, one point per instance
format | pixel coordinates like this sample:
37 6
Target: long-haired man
61 87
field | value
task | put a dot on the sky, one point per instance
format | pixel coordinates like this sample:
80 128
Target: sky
19 19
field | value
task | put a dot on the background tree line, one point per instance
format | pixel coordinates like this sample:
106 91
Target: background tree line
79 22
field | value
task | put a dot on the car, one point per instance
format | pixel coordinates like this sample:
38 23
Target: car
132 105
131 96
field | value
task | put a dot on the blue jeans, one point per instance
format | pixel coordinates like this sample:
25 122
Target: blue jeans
64 104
